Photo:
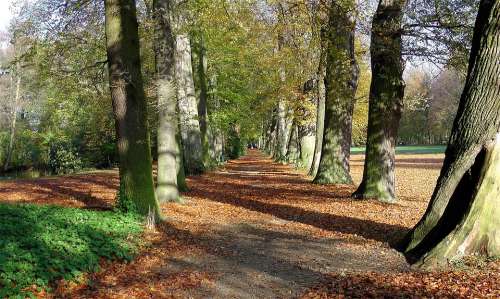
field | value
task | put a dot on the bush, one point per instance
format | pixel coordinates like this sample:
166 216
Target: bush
41 244
63 158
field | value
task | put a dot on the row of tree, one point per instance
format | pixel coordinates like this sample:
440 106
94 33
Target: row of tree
461 218
204 77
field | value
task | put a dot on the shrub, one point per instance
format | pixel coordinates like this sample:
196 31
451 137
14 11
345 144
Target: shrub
41 244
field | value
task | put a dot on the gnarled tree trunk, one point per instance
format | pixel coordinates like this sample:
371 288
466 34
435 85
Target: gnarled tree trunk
341 82
385 103
463 217
129 106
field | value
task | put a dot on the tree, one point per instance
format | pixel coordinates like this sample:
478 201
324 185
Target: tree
320 105
463 216
201 70
168 147
13 114
341 81
385 103
129 106
186 95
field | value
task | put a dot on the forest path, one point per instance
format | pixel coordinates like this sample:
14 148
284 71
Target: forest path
258 229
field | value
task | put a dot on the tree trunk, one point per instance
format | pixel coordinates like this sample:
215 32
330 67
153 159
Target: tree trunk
281 132
307 143
130 109
463 215
168 148
202 103
13 123
320 121
340 84
293 148
188 107
385 103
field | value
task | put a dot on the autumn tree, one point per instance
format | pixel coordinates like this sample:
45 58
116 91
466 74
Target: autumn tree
341 80
463 217
130 109
186 94
385 102
168 147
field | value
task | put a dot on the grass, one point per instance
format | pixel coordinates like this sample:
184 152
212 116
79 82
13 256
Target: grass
42 244
408 149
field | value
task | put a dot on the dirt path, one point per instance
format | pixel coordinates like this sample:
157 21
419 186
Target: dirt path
258 229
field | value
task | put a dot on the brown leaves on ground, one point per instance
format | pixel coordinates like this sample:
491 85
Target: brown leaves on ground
258 229
449 284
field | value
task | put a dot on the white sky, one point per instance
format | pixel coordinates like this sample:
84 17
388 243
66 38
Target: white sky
4 14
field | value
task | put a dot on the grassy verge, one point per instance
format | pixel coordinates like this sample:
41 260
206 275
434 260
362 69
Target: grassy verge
408 149
42 244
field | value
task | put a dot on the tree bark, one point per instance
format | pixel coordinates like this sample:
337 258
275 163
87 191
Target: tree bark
320 121
281 132
293 148
188 107
129 107
168 148
13 123
203 100
463 215
385 103
307 142
341 81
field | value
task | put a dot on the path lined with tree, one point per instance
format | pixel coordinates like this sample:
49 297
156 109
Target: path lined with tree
260 221
195 83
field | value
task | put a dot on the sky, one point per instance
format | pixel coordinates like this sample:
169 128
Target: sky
4 14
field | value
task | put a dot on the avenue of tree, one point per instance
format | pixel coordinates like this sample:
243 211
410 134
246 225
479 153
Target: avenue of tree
193 83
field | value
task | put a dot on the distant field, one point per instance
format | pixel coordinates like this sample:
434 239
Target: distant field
408 149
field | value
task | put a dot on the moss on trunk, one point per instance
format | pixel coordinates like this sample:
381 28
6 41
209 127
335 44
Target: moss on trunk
129 106
385 103
341 81
462 215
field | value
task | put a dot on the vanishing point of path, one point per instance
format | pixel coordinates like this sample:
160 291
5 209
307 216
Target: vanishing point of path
251 229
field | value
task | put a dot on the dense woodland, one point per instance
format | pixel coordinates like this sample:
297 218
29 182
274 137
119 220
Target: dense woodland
166 89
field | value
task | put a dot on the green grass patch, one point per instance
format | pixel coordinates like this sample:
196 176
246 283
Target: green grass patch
408 149
42 244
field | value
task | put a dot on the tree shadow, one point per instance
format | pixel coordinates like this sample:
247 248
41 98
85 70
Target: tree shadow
234 257
66 190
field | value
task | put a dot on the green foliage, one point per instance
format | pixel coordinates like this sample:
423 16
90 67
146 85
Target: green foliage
124 203
64 159
41 244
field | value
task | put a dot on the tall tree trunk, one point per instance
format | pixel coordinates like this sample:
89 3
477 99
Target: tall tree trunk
203 100
214 134
293 147
320 121
168 148
281 132
188 107
129 106
307 142
385 103
13 122
341 81
463 216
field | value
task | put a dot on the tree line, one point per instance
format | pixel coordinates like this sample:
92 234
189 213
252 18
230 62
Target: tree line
206 78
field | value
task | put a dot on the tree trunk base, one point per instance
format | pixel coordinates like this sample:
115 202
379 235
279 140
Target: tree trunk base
477 233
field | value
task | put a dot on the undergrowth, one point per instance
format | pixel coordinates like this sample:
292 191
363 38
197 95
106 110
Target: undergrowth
42 244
